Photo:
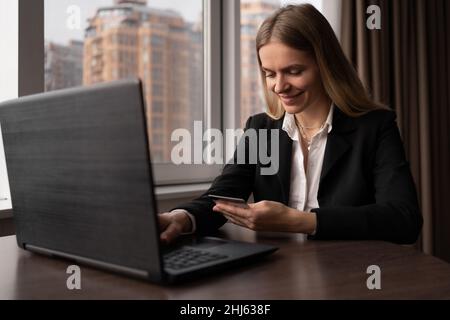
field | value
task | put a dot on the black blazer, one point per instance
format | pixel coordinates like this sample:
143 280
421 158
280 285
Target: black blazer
366 190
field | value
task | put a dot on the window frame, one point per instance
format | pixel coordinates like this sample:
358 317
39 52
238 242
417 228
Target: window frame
31 79
9 86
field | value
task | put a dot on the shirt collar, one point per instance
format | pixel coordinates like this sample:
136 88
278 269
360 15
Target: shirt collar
290 127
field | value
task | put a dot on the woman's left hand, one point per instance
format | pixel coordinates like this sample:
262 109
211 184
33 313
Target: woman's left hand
267 216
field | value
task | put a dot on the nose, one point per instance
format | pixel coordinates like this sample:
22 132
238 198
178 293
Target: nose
280 85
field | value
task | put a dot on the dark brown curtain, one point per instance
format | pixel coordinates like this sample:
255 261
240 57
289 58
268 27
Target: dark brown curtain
406 65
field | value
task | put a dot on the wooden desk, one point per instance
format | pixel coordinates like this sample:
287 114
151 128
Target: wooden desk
301 269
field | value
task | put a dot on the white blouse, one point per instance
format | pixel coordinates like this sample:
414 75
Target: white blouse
305 185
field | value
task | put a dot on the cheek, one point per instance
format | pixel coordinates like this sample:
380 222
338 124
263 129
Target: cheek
301 83
310 82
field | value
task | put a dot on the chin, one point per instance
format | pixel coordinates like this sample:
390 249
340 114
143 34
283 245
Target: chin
293 109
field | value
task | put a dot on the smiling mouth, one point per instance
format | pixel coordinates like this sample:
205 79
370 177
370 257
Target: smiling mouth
292 97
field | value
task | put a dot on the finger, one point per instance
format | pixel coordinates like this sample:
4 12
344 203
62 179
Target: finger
235 220
234 209
228 213
164 221
252 205
223 211
171 233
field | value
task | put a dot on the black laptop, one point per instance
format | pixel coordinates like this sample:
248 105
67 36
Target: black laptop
81 183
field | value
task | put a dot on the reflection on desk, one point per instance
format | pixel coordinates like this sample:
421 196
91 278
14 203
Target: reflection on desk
300 269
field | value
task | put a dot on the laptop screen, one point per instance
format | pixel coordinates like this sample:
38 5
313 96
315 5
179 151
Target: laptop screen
80 174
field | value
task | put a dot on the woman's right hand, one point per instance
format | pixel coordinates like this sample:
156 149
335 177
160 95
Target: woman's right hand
172 225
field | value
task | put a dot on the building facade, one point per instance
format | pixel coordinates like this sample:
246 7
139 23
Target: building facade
130 39
63 65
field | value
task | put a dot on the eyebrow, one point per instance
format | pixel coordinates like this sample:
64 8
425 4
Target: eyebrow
300 66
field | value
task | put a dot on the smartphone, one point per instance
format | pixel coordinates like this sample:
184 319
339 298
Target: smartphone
239 201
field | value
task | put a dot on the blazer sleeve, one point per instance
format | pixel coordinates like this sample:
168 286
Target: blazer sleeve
395 216
236 180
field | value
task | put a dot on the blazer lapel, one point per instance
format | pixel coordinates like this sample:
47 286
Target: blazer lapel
338 142
284 159
284 172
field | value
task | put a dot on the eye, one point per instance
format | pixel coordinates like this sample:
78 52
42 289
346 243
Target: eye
269 74
296 71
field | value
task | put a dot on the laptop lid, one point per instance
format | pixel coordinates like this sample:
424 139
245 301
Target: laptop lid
80 176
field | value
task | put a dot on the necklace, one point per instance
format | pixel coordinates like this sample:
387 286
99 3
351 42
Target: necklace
303 133
304 127
305 137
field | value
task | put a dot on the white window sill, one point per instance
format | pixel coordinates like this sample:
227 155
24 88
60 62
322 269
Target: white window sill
162 193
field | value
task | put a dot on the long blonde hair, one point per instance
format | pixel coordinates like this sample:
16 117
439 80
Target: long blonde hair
303 27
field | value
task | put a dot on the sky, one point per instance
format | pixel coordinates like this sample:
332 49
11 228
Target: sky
56 15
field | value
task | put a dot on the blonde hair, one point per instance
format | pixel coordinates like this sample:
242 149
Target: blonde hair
303 27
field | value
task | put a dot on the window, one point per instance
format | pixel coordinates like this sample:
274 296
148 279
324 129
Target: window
9 66
157 57
157 90
9 45
157 106
157 41
103 40
157 74
157 124
71 49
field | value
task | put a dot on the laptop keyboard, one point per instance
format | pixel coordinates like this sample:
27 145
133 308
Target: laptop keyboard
188 257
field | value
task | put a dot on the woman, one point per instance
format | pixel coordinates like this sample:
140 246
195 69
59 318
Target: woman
343 172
